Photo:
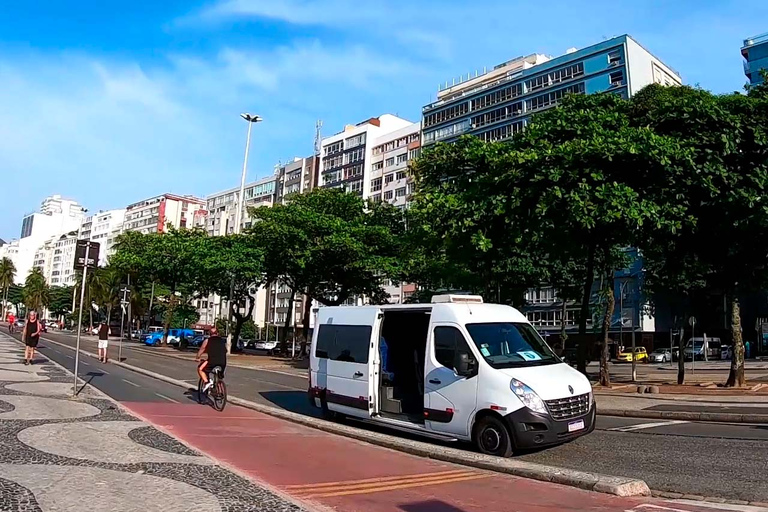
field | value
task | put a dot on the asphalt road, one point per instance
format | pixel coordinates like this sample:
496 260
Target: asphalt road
729 461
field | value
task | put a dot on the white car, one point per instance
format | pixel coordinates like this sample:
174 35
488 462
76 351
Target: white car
267 346
660 355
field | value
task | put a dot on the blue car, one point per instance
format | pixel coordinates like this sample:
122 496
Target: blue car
154 338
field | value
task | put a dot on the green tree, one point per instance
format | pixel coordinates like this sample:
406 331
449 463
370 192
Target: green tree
7 276
171 259
722 249
61 300
36 291
16 297
329 245
232 267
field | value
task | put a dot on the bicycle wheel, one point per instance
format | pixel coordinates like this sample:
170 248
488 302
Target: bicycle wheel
219 395
201 398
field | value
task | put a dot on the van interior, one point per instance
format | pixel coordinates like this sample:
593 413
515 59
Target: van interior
402 347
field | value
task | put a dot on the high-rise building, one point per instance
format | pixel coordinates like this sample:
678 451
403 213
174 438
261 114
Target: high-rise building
221 207
56 259
57 216
345 158
498 103
755 53
390 180
155 214
103 227
297 177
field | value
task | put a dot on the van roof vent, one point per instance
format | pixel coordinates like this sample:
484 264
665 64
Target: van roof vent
457 299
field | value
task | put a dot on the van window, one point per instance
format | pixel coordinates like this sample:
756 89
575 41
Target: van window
510 345
449 343
348 343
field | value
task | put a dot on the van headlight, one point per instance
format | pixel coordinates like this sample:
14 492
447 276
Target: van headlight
528 396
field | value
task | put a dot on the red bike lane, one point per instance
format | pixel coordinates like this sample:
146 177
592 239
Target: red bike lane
327 471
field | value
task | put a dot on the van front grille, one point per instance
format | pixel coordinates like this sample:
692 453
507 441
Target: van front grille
570 407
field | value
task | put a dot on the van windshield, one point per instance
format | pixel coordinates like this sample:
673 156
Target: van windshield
511 345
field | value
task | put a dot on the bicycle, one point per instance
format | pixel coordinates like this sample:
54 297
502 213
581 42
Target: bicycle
218 392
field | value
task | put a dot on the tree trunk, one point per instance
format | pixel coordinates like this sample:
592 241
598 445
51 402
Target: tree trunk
586 297
305 323
239 320
736 376
681 356
169 317
605 376
286 326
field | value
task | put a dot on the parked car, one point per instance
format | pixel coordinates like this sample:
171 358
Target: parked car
661 355
703 348
266 346
154 339
20 322
640 354
196 341
174 335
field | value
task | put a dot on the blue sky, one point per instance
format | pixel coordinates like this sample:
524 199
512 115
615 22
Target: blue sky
109 102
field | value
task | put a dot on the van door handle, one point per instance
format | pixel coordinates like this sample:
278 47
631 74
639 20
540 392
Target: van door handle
434 381
358 374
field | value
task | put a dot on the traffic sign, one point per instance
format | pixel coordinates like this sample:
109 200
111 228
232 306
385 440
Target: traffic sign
86 254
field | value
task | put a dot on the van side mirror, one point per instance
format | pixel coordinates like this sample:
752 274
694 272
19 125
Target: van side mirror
466 365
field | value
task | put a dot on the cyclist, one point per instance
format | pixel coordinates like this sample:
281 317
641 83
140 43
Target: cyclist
11 322
216 348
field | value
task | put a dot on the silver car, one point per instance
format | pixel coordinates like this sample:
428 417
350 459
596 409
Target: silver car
660 355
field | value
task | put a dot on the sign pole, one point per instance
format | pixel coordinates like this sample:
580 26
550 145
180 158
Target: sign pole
80 323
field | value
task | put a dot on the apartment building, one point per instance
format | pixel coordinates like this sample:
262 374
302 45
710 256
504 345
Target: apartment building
56 216
297 177
496 104
755 53
155 214
346 157
103 227
56 259
390 179
221 207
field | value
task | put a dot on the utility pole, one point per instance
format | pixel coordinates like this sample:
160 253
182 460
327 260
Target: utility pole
123 303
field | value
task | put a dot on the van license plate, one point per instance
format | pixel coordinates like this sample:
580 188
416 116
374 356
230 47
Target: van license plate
575 425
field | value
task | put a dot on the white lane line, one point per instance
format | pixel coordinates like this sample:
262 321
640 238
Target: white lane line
643 426
131 383
167 398
105 372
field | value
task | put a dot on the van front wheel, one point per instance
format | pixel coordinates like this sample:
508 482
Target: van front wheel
492 437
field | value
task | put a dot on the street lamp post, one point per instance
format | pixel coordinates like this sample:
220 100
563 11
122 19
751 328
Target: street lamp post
239 212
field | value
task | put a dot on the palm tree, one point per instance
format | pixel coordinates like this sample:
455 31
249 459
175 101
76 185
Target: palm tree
107 283
36 292
7 276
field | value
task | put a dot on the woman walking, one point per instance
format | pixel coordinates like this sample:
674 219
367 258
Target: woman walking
31 336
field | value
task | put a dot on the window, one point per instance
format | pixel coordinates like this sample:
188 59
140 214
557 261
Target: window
355 170
552 98
376 185
449 343
331 177
347 343
614 57
617 78
376 198
355 186
354 156
390 162
353 142
555 77
377 166
511 345
499 114
500 96
333 148
400 175
413 137
400 192
413 153
401 159
446 114
334 161
389 178
502 132
388 194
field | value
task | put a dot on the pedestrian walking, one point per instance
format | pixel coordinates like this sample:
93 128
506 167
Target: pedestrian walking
104 333
31 336
11 322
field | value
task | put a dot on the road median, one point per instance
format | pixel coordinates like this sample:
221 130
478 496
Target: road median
619 486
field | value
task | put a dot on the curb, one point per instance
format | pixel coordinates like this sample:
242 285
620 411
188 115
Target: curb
619 486
716 417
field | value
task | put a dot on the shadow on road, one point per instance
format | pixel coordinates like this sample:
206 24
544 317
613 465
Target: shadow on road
90 376
430 506
294 401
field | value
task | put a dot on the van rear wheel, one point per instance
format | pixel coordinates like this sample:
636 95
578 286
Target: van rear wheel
492 437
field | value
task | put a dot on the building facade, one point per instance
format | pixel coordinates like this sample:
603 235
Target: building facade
297 177
155 214
104 228
755 53
221 207
391 153
346 157
497 104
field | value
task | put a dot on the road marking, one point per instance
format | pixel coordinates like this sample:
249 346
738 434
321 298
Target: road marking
643 426
371 485
105 372
169 399
131 383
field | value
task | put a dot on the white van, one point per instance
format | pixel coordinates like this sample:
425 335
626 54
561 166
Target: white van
455 369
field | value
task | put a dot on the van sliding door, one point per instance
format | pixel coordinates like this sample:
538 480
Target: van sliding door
350 359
